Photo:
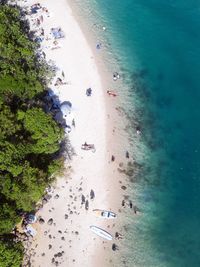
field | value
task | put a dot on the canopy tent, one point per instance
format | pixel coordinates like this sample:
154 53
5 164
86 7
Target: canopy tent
57 33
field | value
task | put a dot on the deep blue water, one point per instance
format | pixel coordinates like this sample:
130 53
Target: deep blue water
157 45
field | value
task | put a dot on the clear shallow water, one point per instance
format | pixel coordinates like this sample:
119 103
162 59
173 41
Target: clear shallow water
157 45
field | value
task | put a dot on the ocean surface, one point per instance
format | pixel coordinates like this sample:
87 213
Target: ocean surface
156 44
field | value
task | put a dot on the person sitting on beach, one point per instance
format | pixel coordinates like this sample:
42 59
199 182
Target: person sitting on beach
68 128
98 46
118 235
73 123
55 42
89 92
59 82
116 76
111 93
115 247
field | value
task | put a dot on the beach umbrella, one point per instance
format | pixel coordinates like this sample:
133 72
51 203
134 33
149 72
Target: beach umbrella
66 108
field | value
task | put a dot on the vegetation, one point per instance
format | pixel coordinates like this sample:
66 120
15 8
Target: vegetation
29 138
11 253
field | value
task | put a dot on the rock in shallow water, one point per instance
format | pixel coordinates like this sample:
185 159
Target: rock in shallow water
123 187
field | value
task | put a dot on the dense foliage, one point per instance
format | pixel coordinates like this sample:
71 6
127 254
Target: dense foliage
29 138
11 254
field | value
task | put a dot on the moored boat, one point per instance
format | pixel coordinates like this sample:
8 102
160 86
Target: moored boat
105 214
100 232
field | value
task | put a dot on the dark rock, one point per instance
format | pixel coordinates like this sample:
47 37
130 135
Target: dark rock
56 196
44 201
50 221
66 216
41 220
59 254
48 196
50 246
123 187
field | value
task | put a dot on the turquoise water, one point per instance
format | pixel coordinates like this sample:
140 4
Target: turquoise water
157 44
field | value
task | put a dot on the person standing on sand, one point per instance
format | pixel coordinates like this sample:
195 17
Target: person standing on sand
87 205
112 158
92 195
82 199
73 123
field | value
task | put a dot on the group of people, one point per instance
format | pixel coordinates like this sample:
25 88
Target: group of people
37 13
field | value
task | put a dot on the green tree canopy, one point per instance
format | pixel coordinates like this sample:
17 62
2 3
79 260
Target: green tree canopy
11 254
26 189
8 217
29 138
8 123
21 74
44 131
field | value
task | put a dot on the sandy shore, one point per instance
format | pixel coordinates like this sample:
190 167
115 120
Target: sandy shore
68 240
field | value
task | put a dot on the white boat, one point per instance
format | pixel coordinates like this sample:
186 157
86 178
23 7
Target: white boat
105 214
100 232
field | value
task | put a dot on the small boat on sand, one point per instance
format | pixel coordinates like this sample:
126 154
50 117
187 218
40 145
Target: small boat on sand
100 232
105 214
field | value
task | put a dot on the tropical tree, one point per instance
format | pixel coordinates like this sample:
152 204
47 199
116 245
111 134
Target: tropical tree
43 130
11 254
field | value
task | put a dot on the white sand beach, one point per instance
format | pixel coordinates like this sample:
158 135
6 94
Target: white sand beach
68 241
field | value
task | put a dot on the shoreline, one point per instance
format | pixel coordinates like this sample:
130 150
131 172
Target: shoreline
97 121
